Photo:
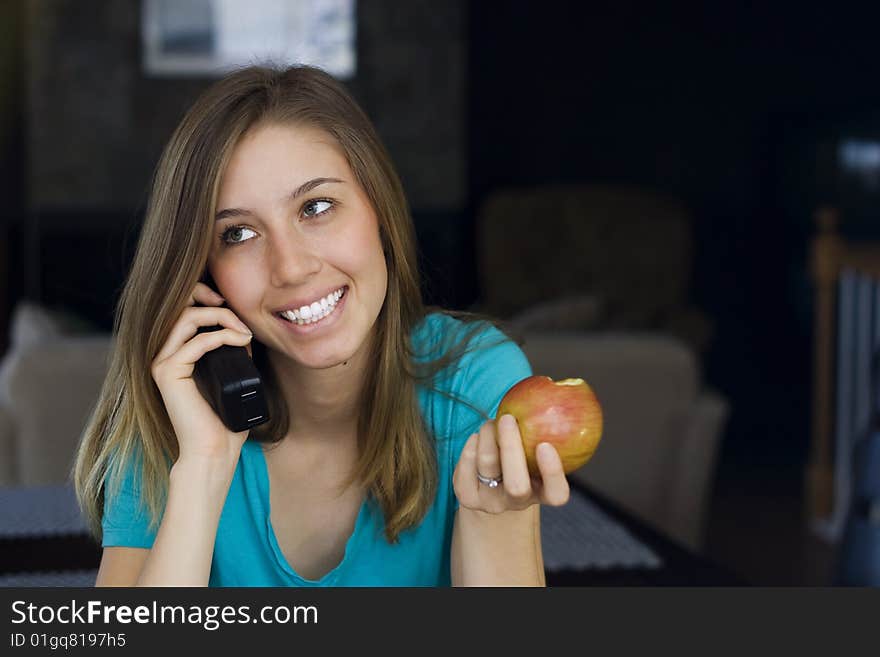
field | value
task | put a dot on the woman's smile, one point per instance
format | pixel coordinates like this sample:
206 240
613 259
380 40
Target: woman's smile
328 317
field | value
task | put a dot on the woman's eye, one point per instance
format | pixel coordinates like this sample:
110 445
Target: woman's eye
232 235
315 205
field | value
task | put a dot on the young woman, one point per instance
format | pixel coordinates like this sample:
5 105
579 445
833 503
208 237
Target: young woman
276 213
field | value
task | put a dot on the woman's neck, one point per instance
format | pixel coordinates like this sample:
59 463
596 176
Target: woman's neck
323 403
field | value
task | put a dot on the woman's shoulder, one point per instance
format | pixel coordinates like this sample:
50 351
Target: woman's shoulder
440 329
479 347
480 363
433 325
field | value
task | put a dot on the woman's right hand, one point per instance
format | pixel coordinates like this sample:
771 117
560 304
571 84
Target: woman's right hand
200 432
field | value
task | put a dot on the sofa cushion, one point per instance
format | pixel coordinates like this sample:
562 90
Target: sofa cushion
569 313
8 475
54 385
33 323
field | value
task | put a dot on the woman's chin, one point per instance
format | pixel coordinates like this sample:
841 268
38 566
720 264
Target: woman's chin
339 350
310 359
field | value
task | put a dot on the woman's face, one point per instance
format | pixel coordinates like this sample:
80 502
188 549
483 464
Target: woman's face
275 249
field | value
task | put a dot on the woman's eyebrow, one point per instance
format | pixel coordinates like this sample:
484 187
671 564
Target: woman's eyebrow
299 191
310 185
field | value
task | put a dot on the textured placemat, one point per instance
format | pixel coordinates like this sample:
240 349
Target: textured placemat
31 511
76 578
580 535
576 536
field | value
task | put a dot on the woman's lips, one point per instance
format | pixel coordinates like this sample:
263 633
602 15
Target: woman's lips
324 322
341 289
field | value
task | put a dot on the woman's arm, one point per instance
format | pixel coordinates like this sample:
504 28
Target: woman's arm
121 566
199 481
497 549
496 537
183 549
182 552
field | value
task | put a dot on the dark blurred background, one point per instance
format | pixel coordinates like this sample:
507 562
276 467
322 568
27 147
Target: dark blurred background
734 109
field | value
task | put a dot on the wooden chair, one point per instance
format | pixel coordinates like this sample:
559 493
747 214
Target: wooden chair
846 277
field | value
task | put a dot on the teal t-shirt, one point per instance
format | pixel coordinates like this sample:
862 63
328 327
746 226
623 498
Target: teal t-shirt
246 552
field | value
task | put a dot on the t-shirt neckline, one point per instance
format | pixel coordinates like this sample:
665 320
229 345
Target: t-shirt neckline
329 578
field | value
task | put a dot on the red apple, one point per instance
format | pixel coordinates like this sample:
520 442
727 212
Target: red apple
564 413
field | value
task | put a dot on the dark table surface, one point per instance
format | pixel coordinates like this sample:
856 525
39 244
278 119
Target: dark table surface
680 566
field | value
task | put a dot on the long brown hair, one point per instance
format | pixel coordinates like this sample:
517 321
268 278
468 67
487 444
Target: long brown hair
396 461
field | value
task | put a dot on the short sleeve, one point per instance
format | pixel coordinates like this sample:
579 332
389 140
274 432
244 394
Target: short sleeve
126 522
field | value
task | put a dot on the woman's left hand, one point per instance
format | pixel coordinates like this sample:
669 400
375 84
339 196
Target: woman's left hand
496 452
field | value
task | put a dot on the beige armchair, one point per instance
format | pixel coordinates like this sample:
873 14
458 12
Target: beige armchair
596 279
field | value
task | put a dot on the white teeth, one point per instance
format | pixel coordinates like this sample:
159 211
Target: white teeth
315 311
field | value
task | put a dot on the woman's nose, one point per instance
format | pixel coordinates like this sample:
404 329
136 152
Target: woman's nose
291 260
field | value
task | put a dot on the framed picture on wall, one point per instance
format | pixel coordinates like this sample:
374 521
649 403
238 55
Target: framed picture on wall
207 38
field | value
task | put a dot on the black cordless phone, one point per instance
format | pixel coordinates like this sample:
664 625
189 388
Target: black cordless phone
231 384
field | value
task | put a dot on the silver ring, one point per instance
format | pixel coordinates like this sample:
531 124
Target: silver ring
491 483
